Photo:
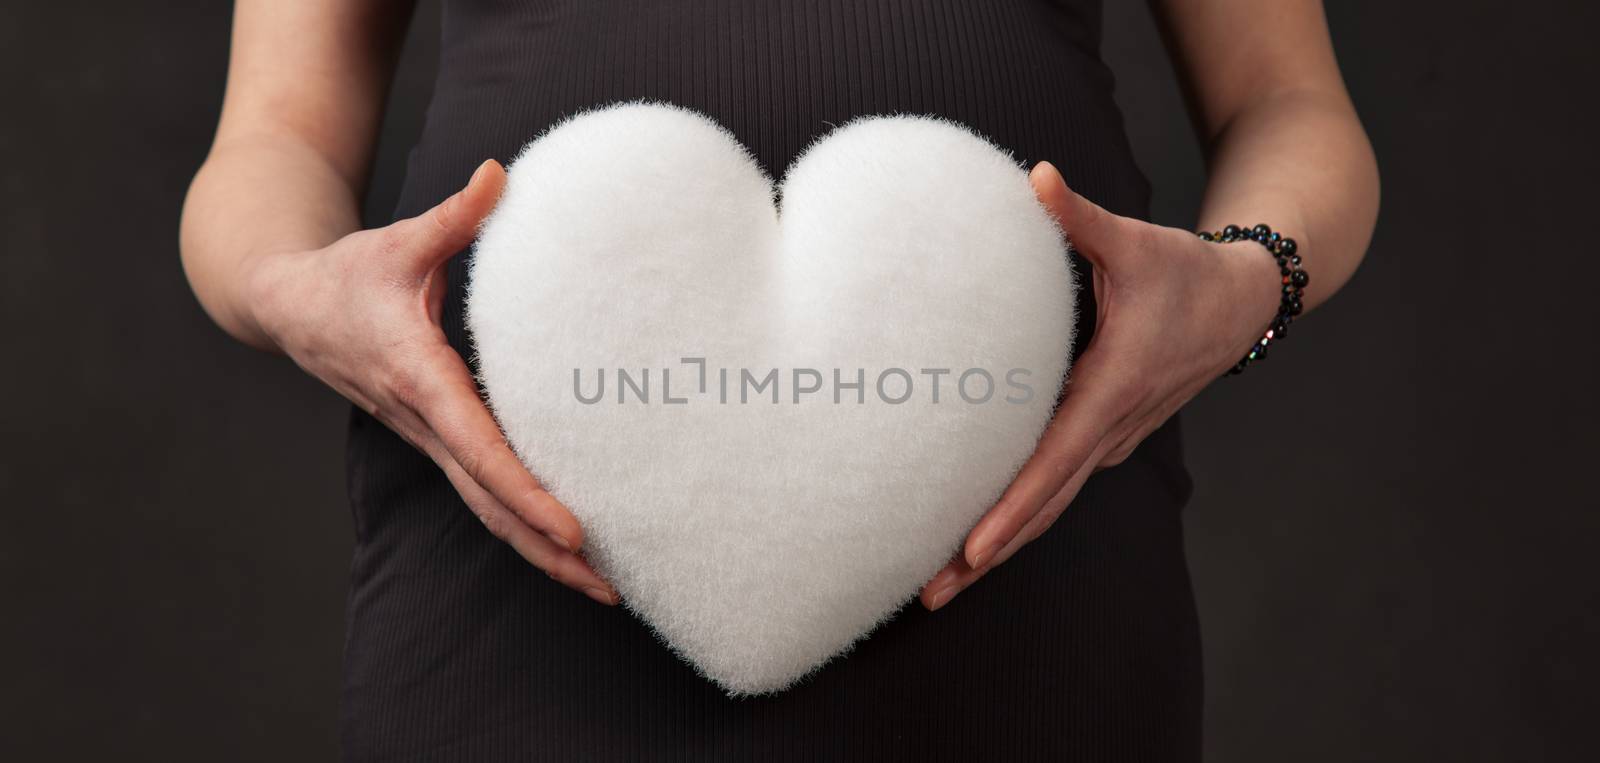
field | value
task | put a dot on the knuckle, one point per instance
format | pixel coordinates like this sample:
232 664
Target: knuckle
471 459
1044 527
1051 512
1067 461
496 523
1062 465
405 386
442 218
1116 457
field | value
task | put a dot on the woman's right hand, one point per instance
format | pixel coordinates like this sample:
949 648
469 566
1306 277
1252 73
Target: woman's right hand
362 315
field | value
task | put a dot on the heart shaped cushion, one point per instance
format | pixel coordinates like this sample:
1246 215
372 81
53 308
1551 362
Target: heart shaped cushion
773 428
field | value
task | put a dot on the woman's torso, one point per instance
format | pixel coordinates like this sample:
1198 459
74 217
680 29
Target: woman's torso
1084 642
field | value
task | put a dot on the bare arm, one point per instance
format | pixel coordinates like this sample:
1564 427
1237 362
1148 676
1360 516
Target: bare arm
305 92
272 246
1285 148
1281 136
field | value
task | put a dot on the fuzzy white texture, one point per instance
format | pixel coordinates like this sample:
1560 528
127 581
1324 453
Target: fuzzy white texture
760 540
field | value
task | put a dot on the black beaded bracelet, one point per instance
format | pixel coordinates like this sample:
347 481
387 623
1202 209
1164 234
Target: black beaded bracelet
1295 279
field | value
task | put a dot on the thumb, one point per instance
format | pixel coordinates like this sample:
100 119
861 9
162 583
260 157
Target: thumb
439 233
1090 229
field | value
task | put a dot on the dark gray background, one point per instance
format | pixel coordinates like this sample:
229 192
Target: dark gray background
1392 540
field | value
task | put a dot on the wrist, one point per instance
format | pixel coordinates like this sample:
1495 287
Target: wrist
264 284
1289 279
1256 282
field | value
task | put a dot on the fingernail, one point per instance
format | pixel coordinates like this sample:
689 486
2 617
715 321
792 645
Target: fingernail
601 595
477 173
559 541
983 556
943 597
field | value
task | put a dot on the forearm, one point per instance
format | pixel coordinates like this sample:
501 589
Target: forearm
1301 163
305 92
256 196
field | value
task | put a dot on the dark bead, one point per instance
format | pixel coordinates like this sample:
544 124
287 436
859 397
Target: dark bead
1280 330
1296 307
1284 269
1230 232
1276 236
1287 290
1207 236
1289 246
1295 259
1261 229
1301 278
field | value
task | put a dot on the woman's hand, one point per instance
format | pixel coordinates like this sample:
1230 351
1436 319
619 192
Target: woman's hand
362 315
1175 312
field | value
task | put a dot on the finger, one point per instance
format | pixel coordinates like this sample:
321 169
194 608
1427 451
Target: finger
944 586
1090 228
452 409
561 565
1147 423
565 567
436 235
959 574
1087 414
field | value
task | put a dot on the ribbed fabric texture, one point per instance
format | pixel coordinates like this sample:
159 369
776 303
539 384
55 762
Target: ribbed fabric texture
1083 647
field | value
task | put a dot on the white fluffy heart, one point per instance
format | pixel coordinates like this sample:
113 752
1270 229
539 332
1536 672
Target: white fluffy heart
760 538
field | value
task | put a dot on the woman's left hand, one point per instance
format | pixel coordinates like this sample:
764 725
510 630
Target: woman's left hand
1175 313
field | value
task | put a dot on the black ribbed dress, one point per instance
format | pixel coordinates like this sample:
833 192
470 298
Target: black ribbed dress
1083 647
